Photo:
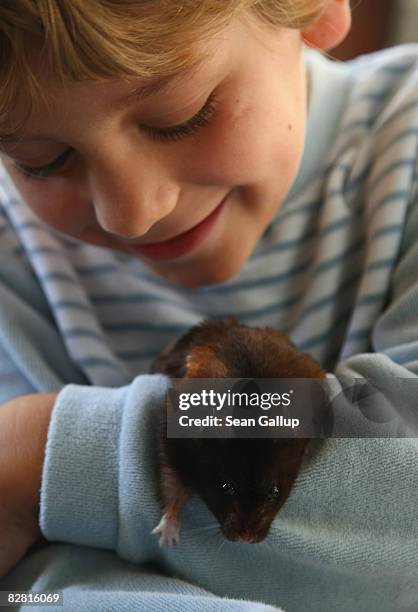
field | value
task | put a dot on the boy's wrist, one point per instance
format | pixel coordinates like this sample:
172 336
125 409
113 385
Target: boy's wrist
24 424
23 432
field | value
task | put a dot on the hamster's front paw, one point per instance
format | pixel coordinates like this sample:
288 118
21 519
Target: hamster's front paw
168 530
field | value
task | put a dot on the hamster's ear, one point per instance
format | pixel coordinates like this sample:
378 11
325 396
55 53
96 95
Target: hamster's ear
331 27
203 362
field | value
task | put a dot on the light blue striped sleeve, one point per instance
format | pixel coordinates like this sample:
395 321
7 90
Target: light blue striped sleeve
391 367
396 331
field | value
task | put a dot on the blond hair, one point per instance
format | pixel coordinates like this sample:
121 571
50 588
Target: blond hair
105 39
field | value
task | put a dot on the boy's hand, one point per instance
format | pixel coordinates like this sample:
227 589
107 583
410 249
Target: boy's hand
23 430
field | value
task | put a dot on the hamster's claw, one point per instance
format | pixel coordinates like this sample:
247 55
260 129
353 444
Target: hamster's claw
168 531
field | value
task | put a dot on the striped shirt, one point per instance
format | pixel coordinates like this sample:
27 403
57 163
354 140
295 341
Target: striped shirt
322 271
337 269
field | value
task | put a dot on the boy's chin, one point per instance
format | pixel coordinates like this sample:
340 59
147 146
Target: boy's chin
194 275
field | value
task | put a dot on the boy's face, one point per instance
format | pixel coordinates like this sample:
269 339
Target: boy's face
115 185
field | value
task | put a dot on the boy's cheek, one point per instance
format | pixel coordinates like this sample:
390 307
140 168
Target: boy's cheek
55 202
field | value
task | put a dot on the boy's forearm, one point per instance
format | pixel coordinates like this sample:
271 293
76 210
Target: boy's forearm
24 425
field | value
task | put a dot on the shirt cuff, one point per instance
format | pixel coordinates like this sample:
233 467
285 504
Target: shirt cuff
79 500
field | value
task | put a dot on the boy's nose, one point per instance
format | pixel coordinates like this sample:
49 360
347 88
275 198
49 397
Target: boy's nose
130 197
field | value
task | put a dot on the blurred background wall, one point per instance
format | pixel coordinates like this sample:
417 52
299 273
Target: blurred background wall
378 24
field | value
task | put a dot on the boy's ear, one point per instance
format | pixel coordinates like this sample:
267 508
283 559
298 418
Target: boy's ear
331 27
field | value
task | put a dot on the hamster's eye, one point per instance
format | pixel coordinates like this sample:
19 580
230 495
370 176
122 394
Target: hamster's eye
228 488
274 493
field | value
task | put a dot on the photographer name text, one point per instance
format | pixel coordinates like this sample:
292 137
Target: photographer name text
229 421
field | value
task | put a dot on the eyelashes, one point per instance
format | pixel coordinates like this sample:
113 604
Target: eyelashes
44 171
170 134
190 127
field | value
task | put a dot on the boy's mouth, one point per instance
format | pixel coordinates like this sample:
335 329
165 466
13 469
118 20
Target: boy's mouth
183 243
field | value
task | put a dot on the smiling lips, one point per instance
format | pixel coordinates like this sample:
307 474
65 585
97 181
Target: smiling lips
182 244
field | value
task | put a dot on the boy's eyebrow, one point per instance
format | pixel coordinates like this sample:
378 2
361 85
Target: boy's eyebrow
163 83
149 90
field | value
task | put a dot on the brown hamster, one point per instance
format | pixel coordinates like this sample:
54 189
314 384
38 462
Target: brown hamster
244 482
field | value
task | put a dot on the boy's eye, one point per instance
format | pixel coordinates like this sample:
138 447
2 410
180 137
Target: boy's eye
169 134
44 171
188 128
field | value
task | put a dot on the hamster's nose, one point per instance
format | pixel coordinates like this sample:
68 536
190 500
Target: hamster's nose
247 536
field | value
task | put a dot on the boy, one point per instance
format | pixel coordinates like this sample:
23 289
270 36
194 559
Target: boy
134 217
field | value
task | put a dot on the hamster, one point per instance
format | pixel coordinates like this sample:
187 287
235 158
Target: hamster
243 481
